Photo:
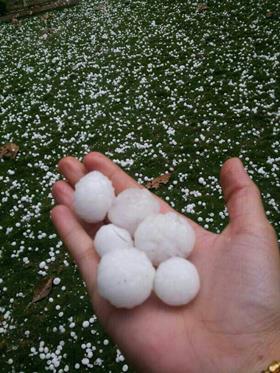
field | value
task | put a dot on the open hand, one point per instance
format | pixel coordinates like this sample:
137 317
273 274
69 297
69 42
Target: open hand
233 325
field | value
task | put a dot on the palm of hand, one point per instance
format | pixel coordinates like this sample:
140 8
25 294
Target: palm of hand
230 313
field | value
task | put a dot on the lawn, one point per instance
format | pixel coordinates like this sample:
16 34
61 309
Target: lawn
158 87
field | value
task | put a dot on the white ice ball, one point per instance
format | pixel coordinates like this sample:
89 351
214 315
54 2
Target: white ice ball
163 236
110 237
93 197
125 277
176 281
131 207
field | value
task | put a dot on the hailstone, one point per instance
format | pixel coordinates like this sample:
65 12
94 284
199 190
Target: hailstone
110 237
125 277
176 281
163 236
132 206
93 197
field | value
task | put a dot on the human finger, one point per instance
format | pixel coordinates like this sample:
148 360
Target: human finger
72 169
81 248
63 193
121 181
78 243
242 196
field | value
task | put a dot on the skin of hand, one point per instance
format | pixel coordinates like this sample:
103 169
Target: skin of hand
233 325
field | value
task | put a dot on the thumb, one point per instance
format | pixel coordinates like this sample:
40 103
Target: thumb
242 196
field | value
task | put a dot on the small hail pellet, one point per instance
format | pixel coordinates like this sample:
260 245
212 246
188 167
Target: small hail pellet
93 197
176 281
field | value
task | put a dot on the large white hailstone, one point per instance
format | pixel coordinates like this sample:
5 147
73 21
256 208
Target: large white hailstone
125 277
176 281
131 207
93 197
110 237
163 236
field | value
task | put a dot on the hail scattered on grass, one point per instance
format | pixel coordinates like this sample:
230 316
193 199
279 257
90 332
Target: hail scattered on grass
158 87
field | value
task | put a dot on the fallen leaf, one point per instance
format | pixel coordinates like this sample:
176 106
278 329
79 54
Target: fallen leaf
9 150
202 7
43 289
155 183
271 15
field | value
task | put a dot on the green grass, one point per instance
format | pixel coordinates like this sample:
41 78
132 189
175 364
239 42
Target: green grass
157 87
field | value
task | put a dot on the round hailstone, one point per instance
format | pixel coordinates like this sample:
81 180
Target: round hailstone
163 236
125 277
93 197
176 281
110 237
131 207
